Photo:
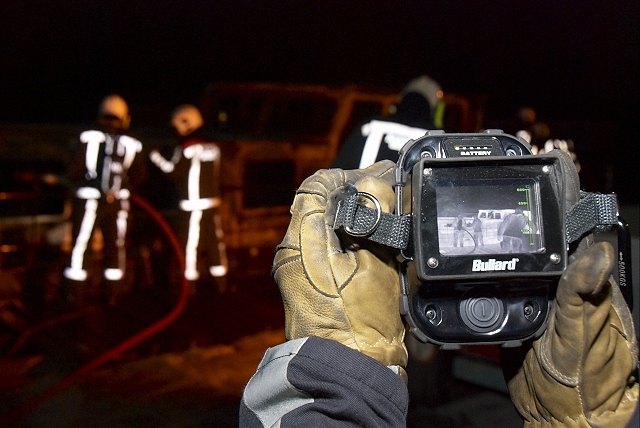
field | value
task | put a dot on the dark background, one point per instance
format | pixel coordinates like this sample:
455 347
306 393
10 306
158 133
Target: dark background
576 62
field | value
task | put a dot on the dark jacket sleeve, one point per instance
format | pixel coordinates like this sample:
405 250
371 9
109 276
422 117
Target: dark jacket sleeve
351 151
77 168
317 382
138 173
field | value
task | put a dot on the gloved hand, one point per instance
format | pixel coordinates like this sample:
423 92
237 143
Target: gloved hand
344 289
579 372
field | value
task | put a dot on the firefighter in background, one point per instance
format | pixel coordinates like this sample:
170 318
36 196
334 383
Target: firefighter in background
459 231
195 168
511 231
419 109
100 178
477 231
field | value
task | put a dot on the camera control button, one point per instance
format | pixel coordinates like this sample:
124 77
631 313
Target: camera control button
483 310
481 313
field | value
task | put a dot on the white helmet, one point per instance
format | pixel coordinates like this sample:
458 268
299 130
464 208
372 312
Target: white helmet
186 119
427 87
114 106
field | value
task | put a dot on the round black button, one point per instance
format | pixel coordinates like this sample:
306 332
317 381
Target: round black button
481 313
483 310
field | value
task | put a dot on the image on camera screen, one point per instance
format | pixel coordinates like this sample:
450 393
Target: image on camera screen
493 216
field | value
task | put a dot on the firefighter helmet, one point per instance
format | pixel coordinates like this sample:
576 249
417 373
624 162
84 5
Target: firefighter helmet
114 108
186 119
427 87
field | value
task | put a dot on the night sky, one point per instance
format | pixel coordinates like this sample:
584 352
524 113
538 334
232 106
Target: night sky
569 59
577 62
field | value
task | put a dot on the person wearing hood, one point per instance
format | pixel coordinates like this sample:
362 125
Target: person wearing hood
381 137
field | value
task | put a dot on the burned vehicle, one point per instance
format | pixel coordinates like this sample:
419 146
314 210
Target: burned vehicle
272 136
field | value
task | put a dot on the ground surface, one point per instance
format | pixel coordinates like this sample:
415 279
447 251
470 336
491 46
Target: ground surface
189 374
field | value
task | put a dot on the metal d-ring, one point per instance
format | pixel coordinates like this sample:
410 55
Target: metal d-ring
378 216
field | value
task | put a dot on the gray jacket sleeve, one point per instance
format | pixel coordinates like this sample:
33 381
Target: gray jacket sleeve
319 382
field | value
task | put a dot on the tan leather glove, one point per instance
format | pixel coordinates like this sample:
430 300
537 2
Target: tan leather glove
579 372
343 289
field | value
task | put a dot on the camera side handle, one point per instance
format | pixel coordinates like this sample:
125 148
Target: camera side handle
596 212
624 261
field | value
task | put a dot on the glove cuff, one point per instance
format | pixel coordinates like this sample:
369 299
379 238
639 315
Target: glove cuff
401 372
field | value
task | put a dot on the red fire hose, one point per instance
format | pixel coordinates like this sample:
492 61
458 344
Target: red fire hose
127 344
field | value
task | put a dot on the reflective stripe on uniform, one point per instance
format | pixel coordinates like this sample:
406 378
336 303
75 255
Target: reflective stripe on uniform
77 253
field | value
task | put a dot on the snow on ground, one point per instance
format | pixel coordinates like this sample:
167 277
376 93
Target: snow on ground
200 386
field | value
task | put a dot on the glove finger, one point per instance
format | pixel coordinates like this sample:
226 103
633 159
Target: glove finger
311 302
375 180
318 193
342 263
382 169
308 230
586 275
370 288
310 237
313 268
570 176
380 189
583 301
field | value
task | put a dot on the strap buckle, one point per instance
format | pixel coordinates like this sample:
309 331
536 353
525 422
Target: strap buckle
378 216
372 223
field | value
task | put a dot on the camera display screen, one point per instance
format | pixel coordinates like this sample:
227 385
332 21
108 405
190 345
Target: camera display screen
489 216
488 237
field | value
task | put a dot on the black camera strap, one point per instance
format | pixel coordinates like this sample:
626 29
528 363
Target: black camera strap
594 212
374 224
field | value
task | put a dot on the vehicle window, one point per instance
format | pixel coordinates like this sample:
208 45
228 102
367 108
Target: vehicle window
272 116
236 115
276 191
303 118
